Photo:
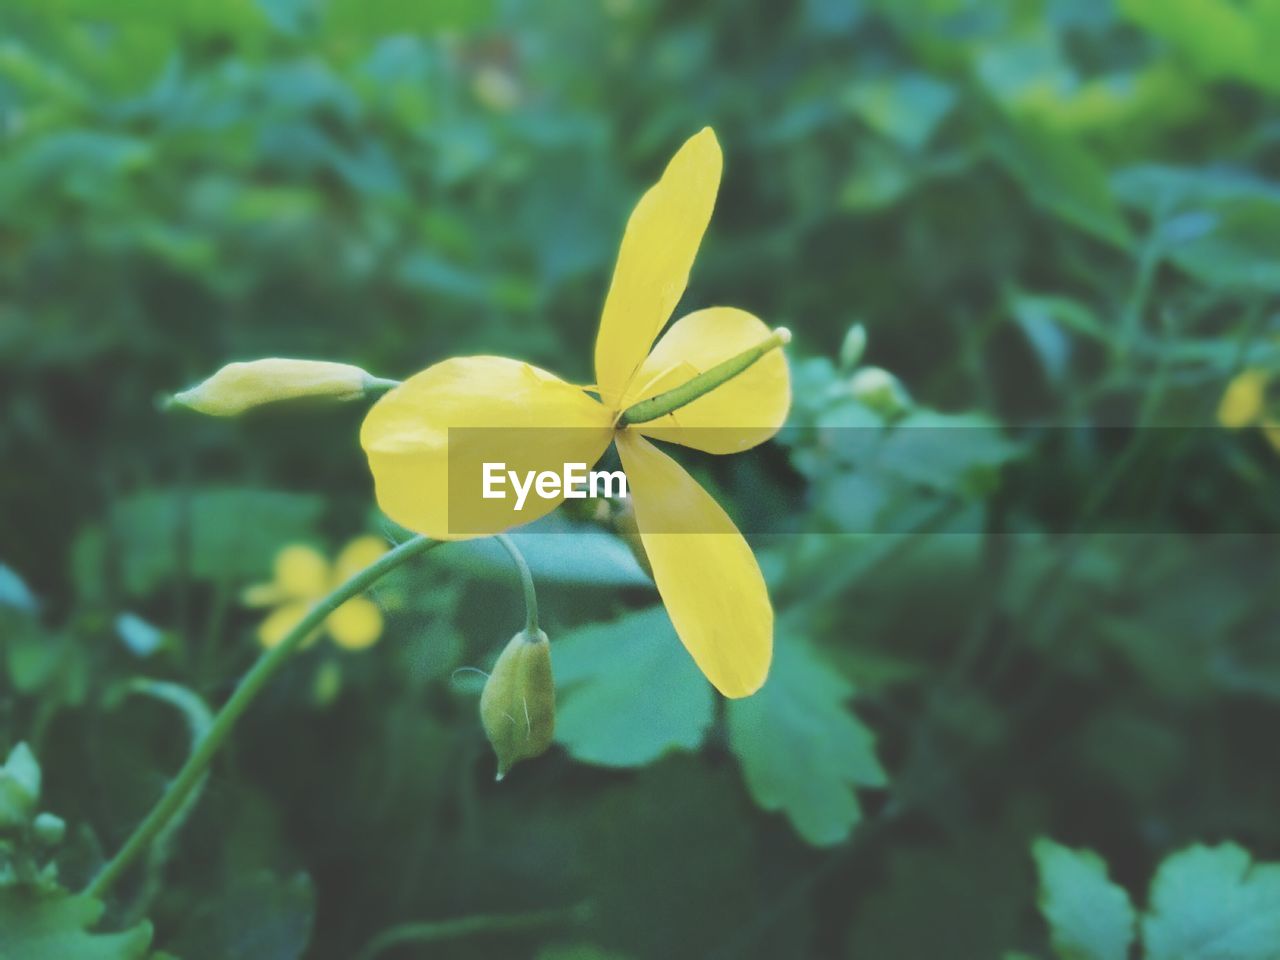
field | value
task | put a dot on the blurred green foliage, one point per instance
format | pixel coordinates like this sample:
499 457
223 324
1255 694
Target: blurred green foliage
1050 213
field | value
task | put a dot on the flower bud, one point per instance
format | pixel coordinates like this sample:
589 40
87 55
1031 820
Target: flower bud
238 387
881 391
518 703
19 787
49 828
855 344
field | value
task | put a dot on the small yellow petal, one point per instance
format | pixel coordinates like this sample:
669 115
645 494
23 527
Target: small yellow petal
356 624
1242 402
356 555
428 441
238 387
302 572
705 571
658 249
262 595
1272 432
737 415
277 624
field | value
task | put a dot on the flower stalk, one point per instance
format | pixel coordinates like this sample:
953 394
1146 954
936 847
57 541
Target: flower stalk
683 395
526 583
267 665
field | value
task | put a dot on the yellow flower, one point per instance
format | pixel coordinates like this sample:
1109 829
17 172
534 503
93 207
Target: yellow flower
1243 399
705 572
1244 404
302 576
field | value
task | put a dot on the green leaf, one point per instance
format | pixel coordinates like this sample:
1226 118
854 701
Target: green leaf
215 534
1090 918
576 951
1217 225
947 451
801 749
374 18
1221 38
14 592
1213 903
1061 175
263 916
560 552
906 107
958 900
628 691
34 927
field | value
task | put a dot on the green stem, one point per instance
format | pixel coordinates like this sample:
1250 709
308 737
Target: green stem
264 669
703 383
526 582
467 926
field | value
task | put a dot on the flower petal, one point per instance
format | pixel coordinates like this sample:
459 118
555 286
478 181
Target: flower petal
658 248
356 555
280 621
1243 400
737 415
446 423
262 595
356 624
301 572
1272 432
707 576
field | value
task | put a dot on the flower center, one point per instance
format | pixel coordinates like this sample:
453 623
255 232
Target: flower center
703 383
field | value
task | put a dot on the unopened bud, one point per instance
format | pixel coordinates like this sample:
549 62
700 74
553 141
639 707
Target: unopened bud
881 391
19 787
49 828
518 703
854 346
239 387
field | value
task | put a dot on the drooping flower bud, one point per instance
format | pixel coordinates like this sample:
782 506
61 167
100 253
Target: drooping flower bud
518 703
879 390
238 387
19 787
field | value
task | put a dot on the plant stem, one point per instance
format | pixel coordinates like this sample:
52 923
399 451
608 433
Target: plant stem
432 932
526 582
703 383
264 669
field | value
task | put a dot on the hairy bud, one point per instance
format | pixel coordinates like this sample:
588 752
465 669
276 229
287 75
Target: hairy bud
518 704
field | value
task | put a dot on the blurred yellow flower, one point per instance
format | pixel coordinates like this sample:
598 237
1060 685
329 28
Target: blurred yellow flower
1244 404
302 576
715 381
